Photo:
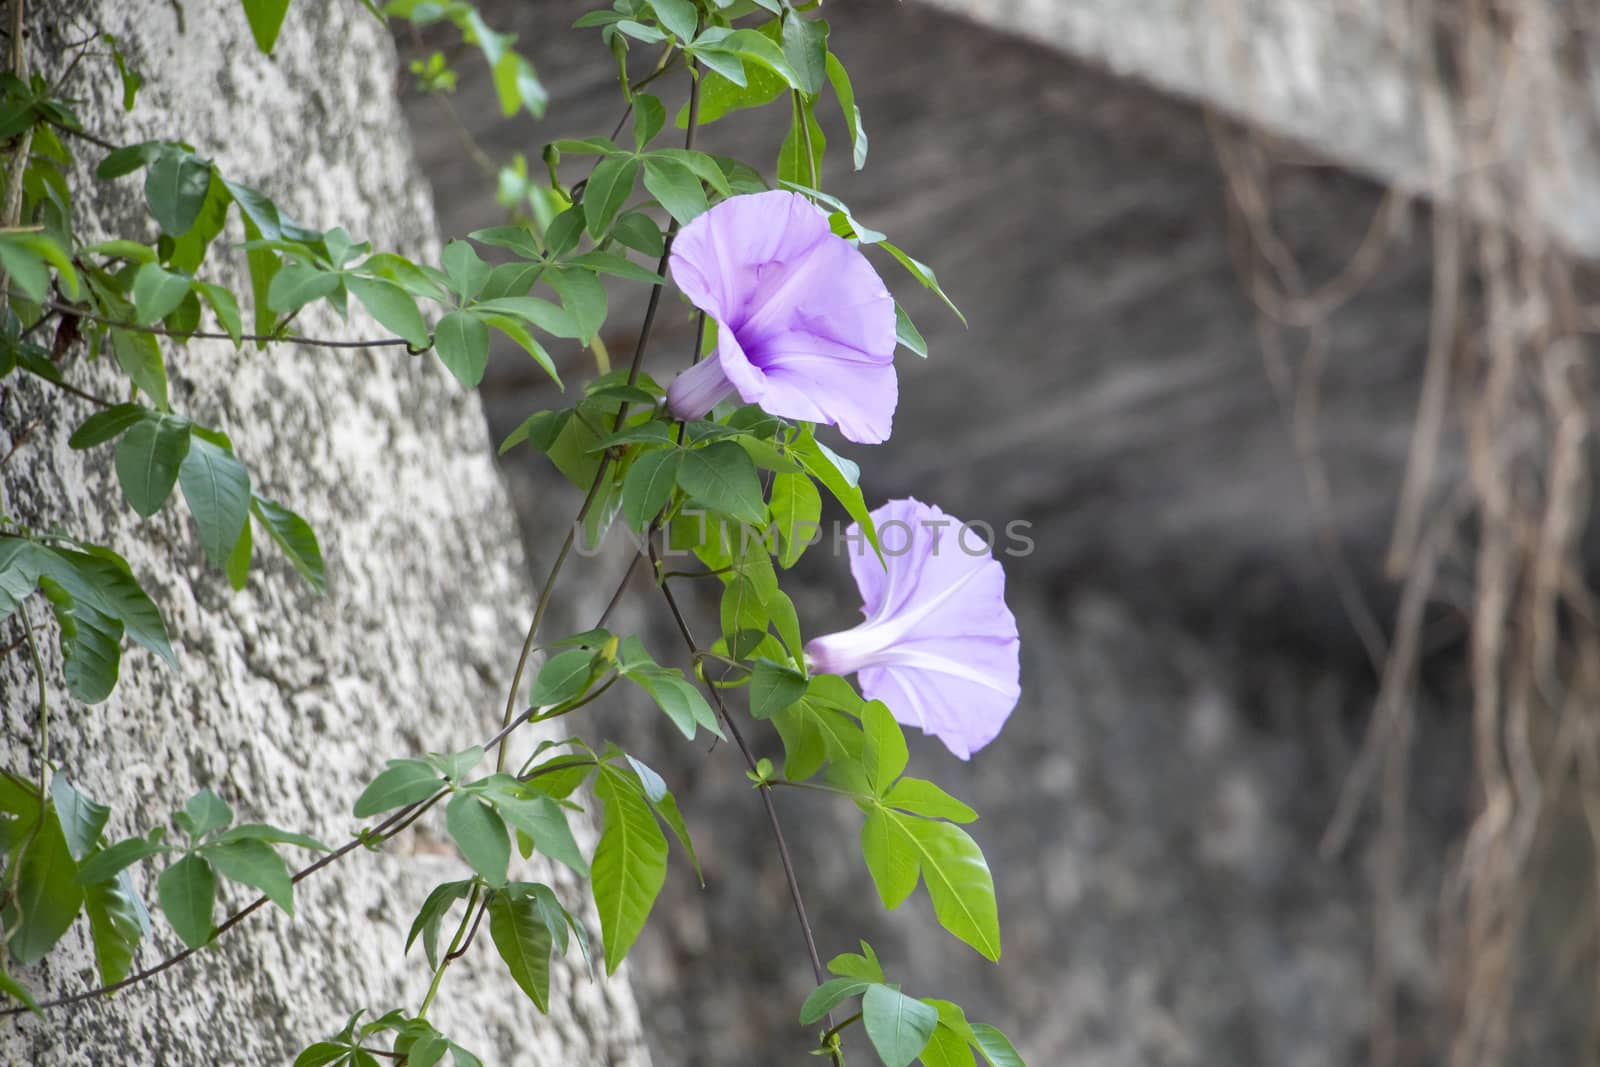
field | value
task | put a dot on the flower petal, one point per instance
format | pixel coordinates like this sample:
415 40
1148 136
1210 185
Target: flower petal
715 256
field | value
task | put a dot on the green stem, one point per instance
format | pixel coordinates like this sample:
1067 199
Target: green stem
455 943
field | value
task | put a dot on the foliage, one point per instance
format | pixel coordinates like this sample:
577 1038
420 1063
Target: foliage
741 490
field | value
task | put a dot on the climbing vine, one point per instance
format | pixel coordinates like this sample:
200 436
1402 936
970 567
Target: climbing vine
726 463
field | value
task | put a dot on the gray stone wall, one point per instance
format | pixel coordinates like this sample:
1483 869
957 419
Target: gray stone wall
1371 84
284 703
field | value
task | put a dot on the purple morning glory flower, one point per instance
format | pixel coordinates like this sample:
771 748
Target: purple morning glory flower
805 325
939 646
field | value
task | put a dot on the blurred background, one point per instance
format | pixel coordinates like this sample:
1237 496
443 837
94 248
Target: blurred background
1272 337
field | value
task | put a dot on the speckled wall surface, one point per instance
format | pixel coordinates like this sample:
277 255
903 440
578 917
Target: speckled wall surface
284 703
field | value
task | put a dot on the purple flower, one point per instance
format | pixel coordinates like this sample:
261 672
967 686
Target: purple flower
939 646
806 326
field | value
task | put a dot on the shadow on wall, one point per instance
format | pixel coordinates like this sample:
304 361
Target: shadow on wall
1193 690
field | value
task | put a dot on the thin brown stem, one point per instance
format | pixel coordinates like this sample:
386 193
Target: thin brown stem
548 588
213 335
765 789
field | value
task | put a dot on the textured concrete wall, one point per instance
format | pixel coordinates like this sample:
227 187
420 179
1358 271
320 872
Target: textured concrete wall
1357 80
284 703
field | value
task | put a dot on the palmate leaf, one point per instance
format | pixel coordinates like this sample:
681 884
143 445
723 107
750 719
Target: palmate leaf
958 881
630 864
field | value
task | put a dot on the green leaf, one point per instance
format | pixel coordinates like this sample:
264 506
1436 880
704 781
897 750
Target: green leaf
295 536
466 271
607 190
678 17
892 857
148 459
805 45
840 80
225 307
666 807
139 356
117 923
840 478
127 159
543 314
774 688
958 881
298 284
392 306
100 584
924 274
217 488
481 836
722 477
898 1026
863 964
518 333
107 424
795 164
648 486
203 813
254 863
189 250
18 992
81 819
47 892
255 831
922 797
675 188
187 891
906 332
563 677
648 118
995 1046
639 232
797 514
630 864
237 566
403 782
524 942
678 699
105 865
583 297
827 996
546 826
157 292
90 643
266 19
614 263
175 187
462 342
885 755
515 83
432 913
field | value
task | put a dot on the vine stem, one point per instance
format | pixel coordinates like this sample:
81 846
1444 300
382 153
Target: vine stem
765 789
453 951
385 830
213 335
548 588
